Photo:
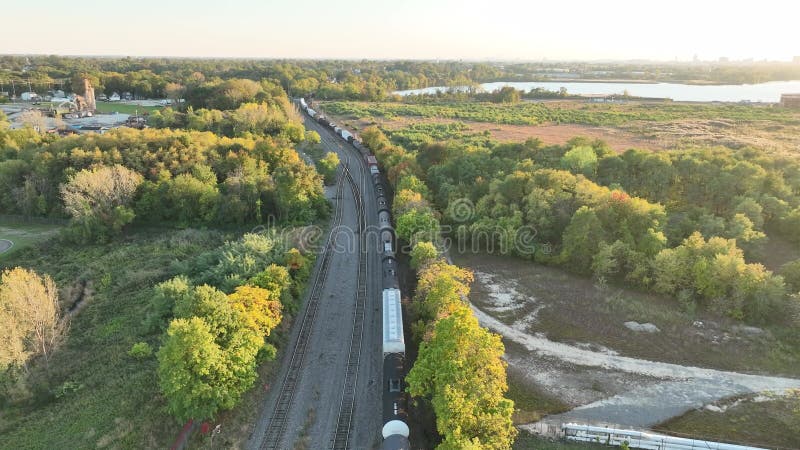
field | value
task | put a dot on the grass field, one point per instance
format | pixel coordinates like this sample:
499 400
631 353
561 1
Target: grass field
577 112
647 126
93 395
123 108
24 235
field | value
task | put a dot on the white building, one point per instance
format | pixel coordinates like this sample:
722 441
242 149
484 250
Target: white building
28 96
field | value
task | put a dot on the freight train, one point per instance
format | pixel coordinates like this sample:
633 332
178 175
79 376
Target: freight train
395 429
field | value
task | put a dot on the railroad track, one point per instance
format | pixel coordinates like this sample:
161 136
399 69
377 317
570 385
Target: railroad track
277 424
344 421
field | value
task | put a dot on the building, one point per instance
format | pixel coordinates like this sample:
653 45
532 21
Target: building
790 100
88 96
29 96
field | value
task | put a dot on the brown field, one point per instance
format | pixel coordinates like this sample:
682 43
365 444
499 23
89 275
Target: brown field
618 139
770 136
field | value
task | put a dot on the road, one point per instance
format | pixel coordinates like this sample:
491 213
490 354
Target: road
313 409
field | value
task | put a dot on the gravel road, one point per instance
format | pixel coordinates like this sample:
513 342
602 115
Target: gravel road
313 415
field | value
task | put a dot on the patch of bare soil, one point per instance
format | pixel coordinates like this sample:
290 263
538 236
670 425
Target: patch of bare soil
618 139
770 136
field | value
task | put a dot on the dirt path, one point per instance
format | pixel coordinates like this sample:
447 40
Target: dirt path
682 388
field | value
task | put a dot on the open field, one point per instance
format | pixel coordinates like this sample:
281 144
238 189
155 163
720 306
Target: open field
94 395
768 421
23 235
123 108
650 126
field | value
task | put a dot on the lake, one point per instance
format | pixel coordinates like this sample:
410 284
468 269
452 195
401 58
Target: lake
762 92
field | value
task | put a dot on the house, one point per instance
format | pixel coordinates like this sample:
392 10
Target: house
114 97
127 96
790 100
29 96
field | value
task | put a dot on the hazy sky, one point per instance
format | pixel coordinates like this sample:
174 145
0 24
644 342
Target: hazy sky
429 29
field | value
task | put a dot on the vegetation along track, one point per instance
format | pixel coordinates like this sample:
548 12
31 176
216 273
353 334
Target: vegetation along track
277 424
344 421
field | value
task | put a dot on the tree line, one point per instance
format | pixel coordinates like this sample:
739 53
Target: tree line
187 178
353 80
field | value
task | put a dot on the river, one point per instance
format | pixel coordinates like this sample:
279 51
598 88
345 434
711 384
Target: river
762 92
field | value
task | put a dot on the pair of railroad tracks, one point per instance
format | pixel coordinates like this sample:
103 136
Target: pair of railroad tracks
277 424
344 422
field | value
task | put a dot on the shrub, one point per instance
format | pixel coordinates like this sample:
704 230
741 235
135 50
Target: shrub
140 350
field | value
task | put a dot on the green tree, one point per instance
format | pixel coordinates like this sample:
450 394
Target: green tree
99 199
422 254
581 159
582 239
328 166
507 94
460 368
415 225
791 275
192 371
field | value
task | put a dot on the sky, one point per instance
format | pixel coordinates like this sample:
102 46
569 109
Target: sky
407 29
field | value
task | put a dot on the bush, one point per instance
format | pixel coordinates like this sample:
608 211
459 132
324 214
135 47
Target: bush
140 350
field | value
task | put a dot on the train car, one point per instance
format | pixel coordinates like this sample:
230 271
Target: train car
346 135
390 279
372 162
393 341
396 442
311 113
303 103
382 203
379 190
323 120
395 431
384 220
387 241
395 402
